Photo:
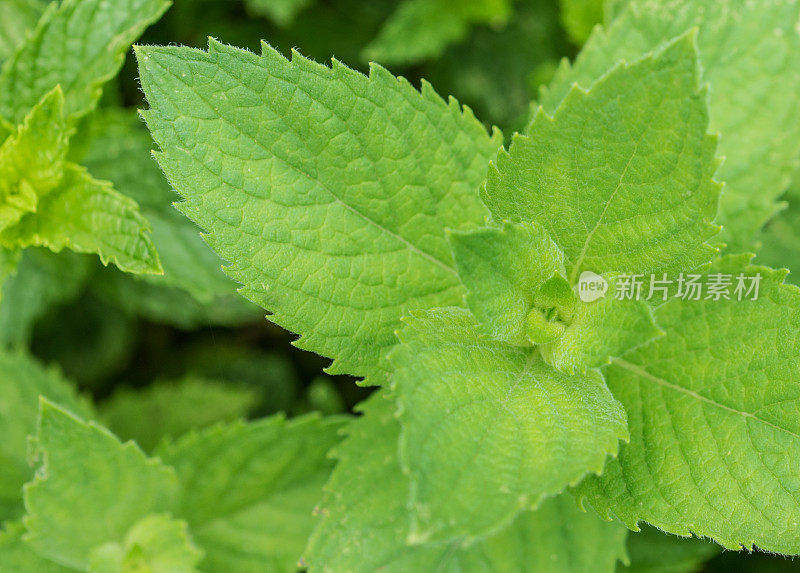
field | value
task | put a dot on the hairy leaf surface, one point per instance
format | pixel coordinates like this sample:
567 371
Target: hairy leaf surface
750 54
514 429
328 191
620 176
364 527
713 410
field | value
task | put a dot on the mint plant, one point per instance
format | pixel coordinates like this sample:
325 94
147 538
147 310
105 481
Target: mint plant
548 348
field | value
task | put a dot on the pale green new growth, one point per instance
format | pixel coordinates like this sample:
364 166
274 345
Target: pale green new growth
421 29
47 201
514 429
515 289
156 543
328 191
364 527
22 381
713 410
750 54
172 408
601 330
502 269
620 176
51 56
249 489
88 216
90 489
32 159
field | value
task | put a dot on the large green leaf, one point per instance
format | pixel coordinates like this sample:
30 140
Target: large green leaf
329 191
621 176
90 489
364 523
22 381
77 44
750 54
249 489
713 416
515 430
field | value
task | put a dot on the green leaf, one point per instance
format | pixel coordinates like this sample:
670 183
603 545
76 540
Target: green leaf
750 52
120 152
329 190
713 417
172 408
77 44
155 543
364 521
515 430
249 489
88 216
32 159
42 280
17 17
579 17
652 551
282 12
601 330
502 269
421 29
90 489
22 381
17 556
620 176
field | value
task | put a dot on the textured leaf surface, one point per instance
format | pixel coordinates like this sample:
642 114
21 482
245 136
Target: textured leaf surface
620 176
22 381
31 160
421 29
76 506
172 408
78 44
601 330
364 528
502 268
750 53
514 429
249 489
713 416
155 543
652 551
328 190
88 216
120 152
